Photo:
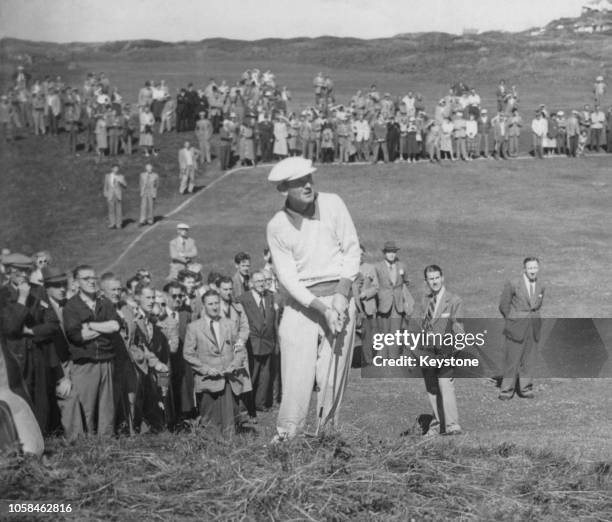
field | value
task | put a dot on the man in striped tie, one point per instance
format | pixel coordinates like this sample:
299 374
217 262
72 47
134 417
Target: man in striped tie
443 312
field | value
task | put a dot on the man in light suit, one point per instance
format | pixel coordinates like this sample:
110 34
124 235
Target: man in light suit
395 303
442 312
365 289
210 348
258 306
149 182
187 158
113 192
520 305
182 250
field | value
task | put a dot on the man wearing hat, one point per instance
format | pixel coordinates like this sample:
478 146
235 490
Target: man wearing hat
395 303
52 394
17 299
30 328
316 253
182 250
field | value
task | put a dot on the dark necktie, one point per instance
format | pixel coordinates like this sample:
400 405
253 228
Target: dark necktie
262 306
212 332
245 283
431 308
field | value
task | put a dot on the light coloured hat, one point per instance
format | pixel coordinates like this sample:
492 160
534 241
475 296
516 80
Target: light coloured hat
484 111
17 260
560 113
599 79
290 169
183 225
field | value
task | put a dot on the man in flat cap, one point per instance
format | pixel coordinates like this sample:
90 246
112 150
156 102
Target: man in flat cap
316 253
182 250
16 301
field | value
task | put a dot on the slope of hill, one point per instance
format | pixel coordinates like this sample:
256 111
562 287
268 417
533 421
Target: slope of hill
561 45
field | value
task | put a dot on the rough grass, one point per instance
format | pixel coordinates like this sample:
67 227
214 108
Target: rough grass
342 476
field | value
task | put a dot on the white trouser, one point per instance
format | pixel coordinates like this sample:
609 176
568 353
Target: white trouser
306 349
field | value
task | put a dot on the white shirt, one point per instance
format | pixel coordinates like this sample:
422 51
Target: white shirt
362 130
539 126
471 128
307 251
258 299
597 120
474 99
530 285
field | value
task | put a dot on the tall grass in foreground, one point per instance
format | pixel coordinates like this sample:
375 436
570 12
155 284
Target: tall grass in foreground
342 476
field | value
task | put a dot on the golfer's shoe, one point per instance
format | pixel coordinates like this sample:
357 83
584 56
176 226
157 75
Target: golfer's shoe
433 430
279 438
453 429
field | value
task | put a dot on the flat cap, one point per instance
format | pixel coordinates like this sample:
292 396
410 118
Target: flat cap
183 225
17 260
290 169
52 274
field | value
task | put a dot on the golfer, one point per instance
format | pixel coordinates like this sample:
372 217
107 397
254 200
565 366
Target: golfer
315 251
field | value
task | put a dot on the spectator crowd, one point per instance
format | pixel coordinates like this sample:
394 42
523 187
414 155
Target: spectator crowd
94 354
254 121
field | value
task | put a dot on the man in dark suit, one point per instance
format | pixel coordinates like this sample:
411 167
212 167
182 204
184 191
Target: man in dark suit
520 305
182 378
395 303
258 305
442 313
241 278
365 289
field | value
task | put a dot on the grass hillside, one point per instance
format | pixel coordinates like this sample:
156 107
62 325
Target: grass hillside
437 54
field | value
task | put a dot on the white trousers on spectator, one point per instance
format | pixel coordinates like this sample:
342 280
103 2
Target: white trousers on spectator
307 347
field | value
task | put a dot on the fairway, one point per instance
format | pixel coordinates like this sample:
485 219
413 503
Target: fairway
477 220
